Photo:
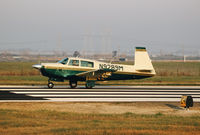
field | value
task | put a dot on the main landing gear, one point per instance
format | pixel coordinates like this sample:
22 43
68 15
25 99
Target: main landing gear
89 84
73 83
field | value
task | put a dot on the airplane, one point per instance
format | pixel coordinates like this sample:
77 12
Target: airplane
77 69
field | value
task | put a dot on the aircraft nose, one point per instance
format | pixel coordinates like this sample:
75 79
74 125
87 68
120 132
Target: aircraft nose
37 66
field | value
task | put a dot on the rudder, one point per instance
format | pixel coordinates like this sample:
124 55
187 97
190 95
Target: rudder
142 60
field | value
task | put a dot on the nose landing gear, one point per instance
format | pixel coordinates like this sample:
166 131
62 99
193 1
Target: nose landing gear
50 85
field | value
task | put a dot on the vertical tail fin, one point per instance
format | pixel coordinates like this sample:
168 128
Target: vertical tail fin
142 60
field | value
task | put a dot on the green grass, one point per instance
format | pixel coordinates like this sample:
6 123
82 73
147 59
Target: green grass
54 122
168 73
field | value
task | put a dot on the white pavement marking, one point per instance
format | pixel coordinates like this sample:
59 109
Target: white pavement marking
115 93
111 96
119 99
102 94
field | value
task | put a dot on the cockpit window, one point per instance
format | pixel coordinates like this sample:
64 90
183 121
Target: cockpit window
63 61
87 64
74 63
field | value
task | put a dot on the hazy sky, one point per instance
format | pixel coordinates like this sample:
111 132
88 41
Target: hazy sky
100 25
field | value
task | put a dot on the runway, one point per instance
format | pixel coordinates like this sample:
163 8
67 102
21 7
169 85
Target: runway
97 94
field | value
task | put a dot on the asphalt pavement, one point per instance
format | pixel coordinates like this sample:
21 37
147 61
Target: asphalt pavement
98 94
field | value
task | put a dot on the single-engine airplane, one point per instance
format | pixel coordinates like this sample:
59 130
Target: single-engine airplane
78 69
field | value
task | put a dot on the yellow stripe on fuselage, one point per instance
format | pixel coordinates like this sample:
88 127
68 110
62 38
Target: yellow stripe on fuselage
141 50
133 73
68 68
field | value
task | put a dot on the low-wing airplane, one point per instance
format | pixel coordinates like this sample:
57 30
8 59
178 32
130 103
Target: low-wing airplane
78 69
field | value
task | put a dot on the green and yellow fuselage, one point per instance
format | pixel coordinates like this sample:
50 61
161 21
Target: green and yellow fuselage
79 69
61 72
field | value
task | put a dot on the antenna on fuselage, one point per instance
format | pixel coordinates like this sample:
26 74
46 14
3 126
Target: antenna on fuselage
76 54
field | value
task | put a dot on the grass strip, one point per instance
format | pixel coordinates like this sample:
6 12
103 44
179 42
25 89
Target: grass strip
157 80
53 122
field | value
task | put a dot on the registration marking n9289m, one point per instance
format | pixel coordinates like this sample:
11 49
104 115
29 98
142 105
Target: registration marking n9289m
111 66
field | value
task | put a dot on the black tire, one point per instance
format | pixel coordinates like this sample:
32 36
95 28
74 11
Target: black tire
88 87
50 85
89 84
73 84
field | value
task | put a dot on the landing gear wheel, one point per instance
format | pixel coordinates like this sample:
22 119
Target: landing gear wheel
89 84
50 85
73 84
88 87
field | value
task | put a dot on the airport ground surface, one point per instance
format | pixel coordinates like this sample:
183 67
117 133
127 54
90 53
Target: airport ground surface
98 94
152 108
29 110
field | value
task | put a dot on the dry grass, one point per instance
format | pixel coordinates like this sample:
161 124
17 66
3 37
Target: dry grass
46 118
162 68
17 69
174 68
177 68
168 73
157 80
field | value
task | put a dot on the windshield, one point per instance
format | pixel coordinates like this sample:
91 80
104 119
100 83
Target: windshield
63 61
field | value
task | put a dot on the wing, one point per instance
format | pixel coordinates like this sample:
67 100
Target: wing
100 74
